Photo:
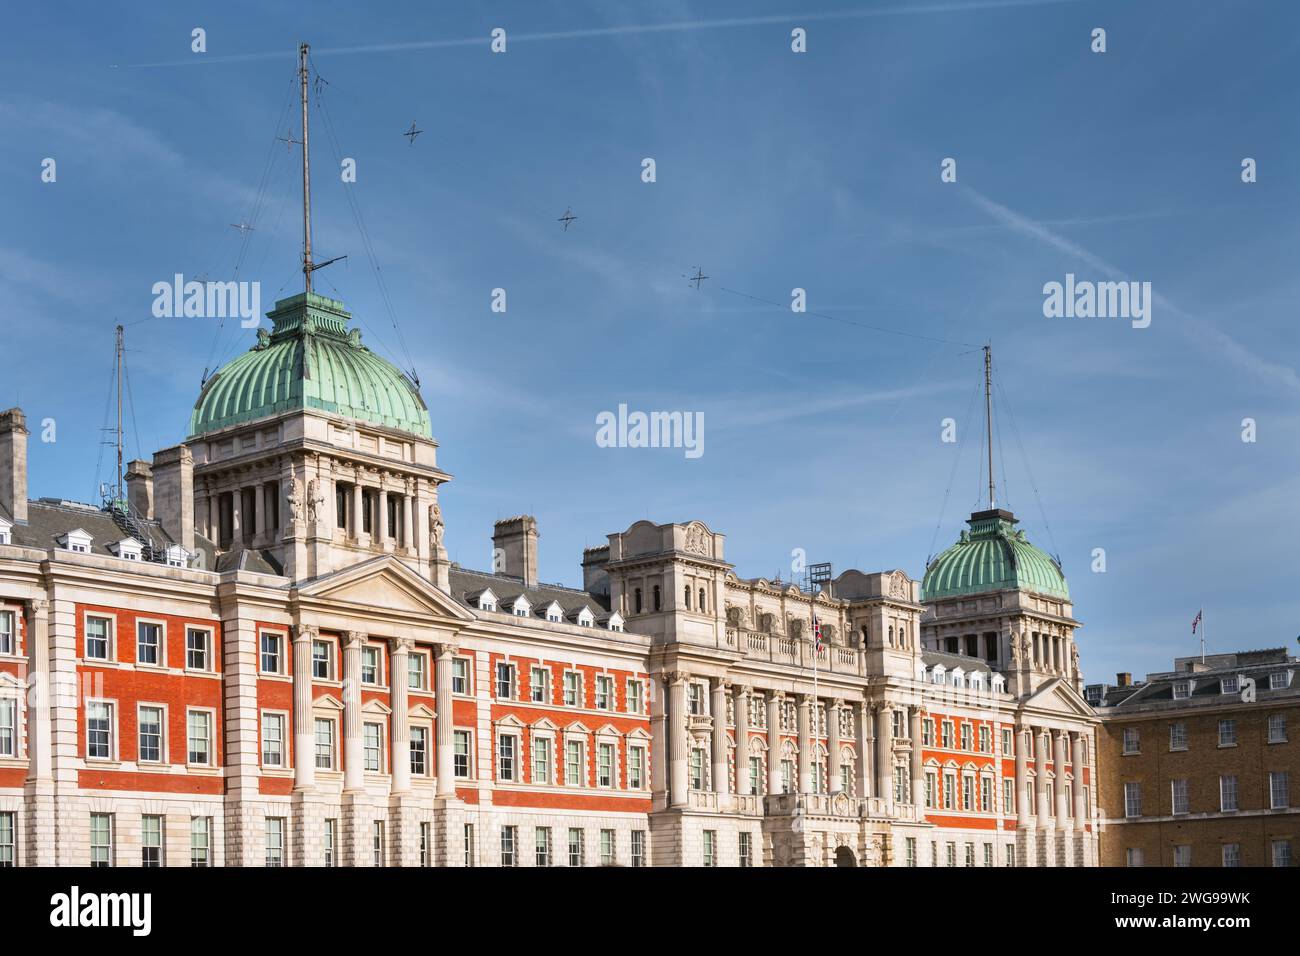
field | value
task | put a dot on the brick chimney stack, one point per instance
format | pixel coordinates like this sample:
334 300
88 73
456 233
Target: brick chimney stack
514 541
13 463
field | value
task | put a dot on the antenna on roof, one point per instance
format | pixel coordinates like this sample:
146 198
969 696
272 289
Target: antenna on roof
988 417
119 346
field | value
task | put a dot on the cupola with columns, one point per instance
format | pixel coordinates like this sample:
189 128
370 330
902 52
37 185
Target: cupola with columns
311 453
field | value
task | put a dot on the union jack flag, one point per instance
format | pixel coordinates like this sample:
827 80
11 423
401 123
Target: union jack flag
1196 620
817 633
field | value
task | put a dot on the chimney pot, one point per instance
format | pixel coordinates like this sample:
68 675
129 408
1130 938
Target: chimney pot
1124 679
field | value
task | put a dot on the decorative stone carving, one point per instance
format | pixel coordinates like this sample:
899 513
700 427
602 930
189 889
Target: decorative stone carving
294 499
697 539
898 586
875 851
314 500
436 527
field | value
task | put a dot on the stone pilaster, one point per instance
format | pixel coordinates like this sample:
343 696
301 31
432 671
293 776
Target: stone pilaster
773 742
741 704
833 744
41 835
354 775
803 713
718 704
677 742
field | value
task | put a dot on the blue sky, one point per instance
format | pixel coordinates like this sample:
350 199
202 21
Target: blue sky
775 171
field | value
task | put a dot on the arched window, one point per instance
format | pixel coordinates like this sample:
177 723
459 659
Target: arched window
891 635
637 602
658 599
700 605
686 597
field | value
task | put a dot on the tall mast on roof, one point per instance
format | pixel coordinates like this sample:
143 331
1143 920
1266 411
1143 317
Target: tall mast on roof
119 349
307 267
988 417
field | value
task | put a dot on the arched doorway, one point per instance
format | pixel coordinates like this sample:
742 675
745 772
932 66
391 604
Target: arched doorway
844 857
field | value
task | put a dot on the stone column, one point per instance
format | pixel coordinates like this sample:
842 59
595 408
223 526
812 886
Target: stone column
1023 809
862 742
1080 804
918 775
773 742
399 655
742 741
304 725
354 777
408 536
214 516
259 510
446 653
721 778
678 759
357 526
833 747
1058 760
884 754
1040 782
805 745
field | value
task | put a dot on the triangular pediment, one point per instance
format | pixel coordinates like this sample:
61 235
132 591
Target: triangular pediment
384 584
1058 697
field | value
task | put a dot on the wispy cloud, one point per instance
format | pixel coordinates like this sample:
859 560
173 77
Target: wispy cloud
913 9
1201 332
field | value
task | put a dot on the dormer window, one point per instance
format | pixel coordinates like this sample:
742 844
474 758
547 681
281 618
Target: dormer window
520 607
176 556
553 612
128 549
615 622
487 601
1229 685
583 617
1277 680
1182 689
6 531
78 540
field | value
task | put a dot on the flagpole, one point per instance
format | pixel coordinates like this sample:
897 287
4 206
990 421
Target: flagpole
1202 635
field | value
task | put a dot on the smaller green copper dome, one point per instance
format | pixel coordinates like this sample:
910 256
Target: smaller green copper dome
992 556
310 359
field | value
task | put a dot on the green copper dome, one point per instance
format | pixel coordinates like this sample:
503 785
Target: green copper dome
991 556
310 359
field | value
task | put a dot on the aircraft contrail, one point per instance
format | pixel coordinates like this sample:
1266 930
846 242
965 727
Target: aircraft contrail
674 27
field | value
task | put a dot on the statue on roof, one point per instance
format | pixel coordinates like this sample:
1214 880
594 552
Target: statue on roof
436 527
314 500
294 499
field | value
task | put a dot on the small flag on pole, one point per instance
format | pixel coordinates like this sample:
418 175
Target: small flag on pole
1197 620
817 634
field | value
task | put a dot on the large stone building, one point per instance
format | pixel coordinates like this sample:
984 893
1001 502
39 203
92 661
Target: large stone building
1196 764
264 657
